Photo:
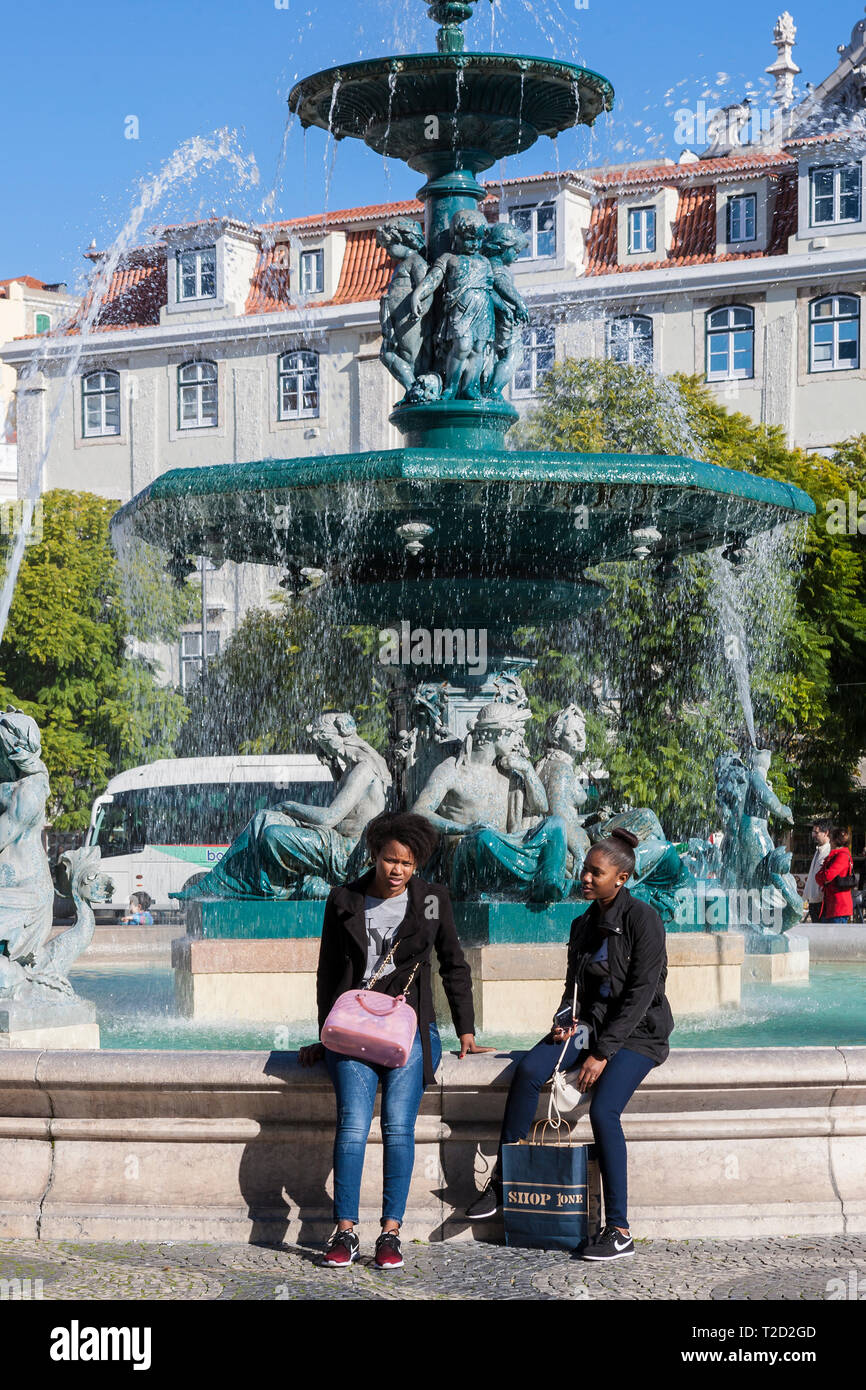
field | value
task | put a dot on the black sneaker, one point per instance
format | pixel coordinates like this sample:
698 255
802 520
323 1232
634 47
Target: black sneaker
342 1250
489 1200
610 1245
389 1251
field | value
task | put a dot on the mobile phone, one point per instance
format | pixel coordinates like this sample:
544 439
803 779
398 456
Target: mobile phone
564 1018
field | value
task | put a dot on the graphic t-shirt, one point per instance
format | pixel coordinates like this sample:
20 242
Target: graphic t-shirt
383 917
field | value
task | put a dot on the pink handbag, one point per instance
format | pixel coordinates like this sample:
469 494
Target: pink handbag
375 1028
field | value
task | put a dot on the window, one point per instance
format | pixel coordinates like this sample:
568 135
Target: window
730 343
630 340
834 333
539 224
197 395
312 271
196 274
43 323
190 655
538 357
834 194
298 385
742 217
641 230
100 404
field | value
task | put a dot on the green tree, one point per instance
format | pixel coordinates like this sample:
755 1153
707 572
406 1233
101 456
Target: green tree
661 649
64 656
281 666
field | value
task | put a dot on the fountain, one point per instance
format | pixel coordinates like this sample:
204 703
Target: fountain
454 534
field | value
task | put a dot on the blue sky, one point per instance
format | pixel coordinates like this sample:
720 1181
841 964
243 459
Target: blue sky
73 74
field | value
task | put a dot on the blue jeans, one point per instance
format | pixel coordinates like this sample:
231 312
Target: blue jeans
355 1085
609 1097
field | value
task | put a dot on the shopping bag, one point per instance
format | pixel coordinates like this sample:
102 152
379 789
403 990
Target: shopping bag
550 1191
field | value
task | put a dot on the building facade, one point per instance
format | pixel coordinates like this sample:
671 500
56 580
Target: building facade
225 342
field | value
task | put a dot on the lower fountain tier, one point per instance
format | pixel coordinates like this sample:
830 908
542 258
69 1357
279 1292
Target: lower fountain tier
505 534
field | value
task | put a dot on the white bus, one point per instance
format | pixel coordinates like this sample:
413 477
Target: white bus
159 824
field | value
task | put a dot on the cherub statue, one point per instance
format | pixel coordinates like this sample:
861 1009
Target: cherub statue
503 243
405 347
467 327
567 795
298 851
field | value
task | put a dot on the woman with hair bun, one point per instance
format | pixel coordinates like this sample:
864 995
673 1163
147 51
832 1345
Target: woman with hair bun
618 964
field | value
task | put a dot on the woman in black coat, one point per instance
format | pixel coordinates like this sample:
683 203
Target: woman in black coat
381 931
618 963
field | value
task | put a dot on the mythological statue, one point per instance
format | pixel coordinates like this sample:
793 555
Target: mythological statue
479 801
299 851
567 795
750 860
467 327
32 968
406 349
658 870
502 244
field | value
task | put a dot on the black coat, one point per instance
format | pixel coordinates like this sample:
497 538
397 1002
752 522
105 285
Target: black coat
637 1014
428 925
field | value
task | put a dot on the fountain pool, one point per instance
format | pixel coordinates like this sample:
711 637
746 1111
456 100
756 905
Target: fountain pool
136 1010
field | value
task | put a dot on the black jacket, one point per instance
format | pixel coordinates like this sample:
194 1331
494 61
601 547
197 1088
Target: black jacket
428 924
637 1014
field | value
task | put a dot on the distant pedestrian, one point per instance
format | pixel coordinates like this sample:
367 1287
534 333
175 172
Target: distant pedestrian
812 892
139 914
836 878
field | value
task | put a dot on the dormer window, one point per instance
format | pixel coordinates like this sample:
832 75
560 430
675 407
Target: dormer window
834 194
742 217
641 230
539 224
196 274
312 272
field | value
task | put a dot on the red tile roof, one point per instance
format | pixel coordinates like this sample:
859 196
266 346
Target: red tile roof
600 256
136 293
784 216
29 280
366 269
344 215
269 290
672 175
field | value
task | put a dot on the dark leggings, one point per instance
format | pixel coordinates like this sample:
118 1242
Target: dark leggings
609 1097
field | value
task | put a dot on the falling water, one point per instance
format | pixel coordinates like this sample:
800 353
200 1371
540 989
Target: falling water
183 164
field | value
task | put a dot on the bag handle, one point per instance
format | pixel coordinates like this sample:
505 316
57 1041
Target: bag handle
377 974
378 1012
558 1066
545 1125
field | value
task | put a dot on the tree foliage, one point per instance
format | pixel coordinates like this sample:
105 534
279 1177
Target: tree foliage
662 651
64 654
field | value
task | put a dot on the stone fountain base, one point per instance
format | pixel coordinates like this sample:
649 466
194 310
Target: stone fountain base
61 1027
777 959
244 960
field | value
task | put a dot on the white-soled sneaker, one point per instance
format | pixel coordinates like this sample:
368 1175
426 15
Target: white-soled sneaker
610 1245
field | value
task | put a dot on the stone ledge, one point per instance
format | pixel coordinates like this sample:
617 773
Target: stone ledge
233 1146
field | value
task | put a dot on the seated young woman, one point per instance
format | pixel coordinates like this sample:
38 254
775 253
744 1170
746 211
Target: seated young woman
382 930
617 960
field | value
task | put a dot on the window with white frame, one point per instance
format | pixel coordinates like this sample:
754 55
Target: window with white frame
190 655
834 194
630 340
100 404
539 352
730 343
742 217
197 401
539 224
312 272
298 385
196 274
641 230
834 333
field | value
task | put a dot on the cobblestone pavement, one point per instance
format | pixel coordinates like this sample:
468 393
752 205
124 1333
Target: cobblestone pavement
796 1268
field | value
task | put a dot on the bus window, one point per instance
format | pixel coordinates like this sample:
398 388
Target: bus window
209 814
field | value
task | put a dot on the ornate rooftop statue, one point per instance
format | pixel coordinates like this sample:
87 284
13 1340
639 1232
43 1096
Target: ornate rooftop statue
299 851
480 801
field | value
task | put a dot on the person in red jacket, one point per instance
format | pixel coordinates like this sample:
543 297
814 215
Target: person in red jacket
837 869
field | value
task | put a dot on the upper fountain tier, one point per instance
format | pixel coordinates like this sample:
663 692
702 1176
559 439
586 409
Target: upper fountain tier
451 110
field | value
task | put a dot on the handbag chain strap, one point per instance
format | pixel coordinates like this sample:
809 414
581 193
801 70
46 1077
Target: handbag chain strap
377 974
